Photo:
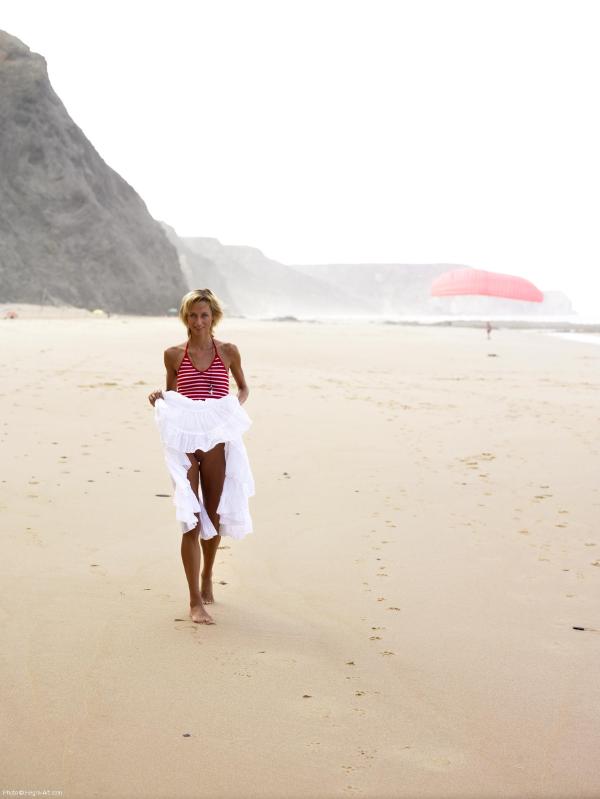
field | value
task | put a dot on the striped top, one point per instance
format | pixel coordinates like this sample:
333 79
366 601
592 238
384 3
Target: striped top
201 385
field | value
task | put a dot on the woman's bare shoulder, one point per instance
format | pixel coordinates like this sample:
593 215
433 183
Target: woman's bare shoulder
227 347
228 350
174 354
177 347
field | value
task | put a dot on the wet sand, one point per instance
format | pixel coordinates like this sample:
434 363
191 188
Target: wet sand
400 623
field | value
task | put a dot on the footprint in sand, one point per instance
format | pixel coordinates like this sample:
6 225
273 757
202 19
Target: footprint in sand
366 754
34 537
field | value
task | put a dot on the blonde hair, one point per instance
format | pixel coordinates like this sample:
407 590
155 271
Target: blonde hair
201 295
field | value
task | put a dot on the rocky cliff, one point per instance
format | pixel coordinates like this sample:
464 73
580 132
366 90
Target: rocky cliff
72 231
200 271
394 289
252 284
260 286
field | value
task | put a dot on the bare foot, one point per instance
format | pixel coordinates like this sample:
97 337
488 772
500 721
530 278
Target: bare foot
199 615
206 591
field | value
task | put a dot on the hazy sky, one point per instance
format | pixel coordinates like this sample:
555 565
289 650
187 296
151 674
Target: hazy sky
459 131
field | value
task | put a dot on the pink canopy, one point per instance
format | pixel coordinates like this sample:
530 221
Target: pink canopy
478 281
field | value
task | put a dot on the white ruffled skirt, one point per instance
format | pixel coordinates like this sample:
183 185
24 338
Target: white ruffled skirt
186 425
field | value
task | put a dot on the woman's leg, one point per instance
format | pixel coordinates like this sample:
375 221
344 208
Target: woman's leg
212 477
190 555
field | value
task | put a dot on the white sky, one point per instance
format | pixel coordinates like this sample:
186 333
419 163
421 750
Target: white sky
460 131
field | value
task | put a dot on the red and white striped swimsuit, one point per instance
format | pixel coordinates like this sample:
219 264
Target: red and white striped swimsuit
211 383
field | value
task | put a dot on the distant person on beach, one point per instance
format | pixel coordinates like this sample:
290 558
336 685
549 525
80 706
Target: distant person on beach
488 328
201 426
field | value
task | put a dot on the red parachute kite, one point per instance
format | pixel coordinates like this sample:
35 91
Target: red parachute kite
478 281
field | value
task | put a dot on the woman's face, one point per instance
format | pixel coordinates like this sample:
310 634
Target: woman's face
199 317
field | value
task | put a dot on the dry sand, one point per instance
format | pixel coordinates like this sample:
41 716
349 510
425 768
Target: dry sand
400 623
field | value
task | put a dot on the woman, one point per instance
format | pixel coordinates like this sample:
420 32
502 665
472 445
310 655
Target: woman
201 427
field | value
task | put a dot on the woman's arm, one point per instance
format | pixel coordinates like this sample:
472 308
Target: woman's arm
171 368
170 359
238 373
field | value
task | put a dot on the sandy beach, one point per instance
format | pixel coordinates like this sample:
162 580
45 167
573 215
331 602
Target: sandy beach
400 623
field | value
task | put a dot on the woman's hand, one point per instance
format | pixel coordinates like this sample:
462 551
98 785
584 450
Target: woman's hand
243 395
154 396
